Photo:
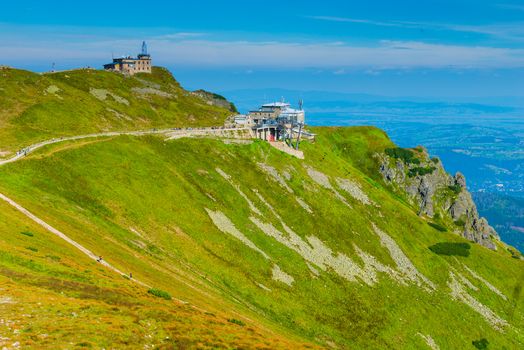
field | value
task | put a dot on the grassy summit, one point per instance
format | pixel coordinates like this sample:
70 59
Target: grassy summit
272 251
35 107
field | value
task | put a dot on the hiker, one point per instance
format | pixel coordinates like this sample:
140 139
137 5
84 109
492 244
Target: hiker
99 259
130 276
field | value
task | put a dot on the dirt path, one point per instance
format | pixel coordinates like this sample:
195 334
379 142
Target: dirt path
171 133
56 232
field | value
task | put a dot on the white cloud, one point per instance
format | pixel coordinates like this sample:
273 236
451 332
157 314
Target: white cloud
372 72
361 21
509 31
191 49
385 54
181 35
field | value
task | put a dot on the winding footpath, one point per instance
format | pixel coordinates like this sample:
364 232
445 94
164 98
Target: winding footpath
170 134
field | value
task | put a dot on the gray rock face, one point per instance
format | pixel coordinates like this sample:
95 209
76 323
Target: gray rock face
460 180
462 206
437 192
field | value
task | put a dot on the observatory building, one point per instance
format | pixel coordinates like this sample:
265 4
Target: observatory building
276 121
131 65
278 113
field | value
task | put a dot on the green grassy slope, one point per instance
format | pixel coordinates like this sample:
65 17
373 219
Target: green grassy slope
145 204
35 107
53 297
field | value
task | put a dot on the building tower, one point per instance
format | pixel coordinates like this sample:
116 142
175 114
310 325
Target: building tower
143 62
131 65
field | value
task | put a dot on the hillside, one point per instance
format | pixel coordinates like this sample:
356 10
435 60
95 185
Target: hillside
36 107
269 251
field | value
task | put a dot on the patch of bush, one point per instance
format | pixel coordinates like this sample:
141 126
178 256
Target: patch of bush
451 249
53 257
33 249
437 227
235 321
27 233
160 293
407 155
232 107
514 254
435 160
481 344
421 171
455 188
460 223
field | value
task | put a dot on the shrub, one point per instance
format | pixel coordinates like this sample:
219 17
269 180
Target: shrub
53 257
235 321
232 107
437 227
455 188
160 293
33 249
435 160
407 155
460 223
27 233
421 171
481 343
451 249
514 254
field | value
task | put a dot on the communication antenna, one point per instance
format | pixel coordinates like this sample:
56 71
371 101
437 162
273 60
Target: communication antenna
301 104
144 48
53 67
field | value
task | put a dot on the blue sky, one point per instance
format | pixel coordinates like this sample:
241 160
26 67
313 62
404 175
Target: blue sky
432 49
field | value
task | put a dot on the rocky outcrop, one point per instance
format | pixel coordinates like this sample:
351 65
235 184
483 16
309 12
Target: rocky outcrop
436 193
215 100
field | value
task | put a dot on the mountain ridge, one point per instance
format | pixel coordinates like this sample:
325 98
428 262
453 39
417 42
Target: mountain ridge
267 250
37 107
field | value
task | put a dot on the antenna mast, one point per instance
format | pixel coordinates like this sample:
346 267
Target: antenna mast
144 48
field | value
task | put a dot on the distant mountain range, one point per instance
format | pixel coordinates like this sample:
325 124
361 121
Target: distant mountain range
339 102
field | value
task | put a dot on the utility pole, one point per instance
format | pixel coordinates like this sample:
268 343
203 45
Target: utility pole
299 132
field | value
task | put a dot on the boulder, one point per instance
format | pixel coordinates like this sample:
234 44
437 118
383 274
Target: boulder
460 180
